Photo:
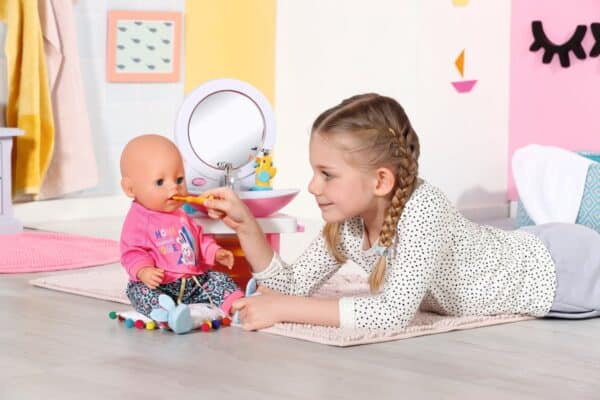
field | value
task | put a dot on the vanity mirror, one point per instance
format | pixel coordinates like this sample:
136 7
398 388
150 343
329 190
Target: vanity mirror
221 127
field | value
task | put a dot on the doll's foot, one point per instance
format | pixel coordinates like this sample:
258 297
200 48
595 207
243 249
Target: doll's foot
178 318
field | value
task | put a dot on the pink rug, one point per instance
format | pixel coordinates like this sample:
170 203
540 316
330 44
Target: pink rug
108 283
51 251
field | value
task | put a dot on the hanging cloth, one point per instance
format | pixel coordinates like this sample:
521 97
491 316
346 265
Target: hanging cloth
73 165
29 106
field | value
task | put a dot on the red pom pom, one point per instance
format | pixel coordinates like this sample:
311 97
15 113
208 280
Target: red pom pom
226 321
121 318
205 327
140 324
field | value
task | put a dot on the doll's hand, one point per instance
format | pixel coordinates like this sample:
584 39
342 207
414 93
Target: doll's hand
257 312
151 276
227 206
224 257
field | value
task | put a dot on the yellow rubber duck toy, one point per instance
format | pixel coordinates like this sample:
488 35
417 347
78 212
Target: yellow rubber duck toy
265 171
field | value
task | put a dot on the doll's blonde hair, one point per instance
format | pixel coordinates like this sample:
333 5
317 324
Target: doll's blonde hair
385 138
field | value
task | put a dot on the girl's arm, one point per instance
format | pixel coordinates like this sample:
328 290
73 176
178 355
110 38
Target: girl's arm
228 207
259 312
310 270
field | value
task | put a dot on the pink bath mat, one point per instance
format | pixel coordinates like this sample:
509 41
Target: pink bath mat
108 283
51 251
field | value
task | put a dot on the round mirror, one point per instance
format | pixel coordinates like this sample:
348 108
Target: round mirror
221 126
238 129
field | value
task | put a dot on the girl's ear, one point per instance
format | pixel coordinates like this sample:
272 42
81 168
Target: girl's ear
385 181
127 187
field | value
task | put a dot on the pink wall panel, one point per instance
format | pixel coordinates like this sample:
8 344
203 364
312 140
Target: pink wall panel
550 104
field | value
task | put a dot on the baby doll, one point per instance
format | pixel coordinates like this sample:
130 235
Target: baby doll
163 251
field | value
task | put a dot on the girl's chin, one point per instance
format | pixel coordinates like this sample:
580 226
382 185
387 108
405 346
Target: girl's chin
331 217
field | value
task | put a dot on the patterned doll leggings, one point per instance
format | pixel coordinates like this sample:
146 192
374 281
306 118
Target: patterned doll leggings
210 287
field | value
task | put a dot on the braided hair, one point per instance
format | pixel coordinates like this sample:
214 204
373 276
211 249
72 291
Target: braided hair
386 136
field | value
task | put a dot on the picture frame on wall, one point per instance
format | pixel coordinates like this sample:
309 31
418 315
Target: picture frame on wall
143 46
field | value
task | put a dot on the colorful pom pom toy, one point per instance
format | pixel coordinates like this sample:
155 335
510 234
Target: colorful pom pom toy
134 320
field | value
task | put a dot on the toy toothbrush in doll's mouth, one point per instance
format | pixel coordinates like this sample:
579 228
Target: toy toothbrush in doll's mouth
190 199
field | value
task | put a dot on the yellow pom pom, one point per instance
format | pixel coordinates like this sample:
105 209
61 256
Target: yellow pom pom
150 325
209 323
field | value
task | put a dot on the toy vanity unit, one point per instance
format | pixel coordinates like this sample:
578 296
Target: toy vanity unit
225 131
8 223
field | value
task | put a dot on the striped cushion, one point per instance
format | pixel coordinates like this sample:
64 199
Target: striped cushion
589 210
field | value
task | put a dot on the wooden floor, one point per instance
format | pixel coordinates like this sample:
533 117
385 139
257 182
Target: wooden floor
60 346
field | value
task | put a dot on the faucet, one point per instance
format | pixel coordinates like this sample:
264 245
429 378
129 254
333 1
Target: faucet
229 174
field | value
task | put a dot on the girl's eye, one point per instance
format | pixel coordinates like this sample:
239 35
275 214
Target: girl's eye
327 175
180 180
159 182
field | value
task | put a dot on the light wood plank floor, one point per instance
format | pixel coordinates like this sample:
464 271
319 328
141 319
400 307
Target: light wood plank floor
60 346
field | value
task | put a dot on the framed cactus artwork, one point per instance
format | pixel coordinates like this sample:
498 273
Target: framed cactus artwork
143 46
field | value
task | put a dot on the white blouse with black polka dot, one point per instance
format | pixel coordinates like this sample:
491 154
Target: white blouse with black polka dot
439 260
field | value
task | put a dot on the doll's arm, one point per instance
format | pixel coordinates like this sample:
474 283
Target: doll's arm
134 258
135 250
151 276
208 249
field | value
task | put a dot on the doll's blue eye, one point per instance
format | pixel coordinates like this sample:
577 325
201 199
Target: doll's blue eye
159 182
180 180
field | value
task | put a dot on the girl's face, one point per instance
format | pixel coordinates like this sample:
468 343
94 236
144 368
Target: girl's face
341 189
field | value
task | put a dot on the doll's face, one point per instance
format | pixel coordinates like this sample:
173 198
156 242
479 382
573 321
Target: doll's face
152 172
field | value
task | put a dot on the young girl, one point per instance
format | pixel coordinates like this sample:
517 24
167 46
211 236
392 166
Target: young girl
414 244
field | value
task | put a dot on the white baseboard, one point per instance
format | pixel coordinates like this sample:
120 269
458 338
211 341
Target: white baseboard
36 212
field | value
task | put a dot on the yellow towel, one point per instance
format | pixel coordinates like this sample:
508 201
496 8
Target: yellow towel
28 106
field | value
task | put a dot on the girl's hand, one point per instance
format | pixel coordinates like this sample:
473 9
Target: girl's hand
151 276
224 257
258 312
223 203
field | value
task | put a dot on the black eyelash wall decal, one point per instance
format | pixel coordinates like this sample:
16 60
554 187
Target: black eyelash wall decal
550 49
595 28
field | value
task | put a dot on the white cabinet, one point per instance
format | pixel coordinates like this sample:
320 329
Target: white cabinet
8 223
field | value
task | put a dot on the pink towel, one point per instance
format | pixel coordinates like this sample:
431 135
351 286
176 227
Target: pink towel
73 165
50 251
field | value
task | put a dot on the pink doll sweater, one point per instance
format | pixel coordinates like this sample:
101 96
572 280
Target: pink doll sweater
167 240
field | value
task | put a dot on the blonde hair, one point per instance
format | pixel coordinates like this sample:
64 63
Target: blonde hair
384 134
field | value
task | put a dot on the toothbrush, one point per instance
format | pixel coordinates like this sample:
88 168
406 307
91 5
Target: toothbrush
190 199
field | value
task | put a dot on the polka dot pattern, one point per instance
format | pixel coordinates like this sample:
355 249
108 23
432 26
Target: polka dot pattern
439 260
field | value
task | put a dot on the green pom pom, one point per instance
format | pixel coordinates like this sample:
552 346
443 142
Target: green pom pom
112 315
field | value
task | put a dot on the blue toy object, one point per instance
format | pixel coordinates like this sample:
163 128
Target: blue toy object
589 210
251 287
178 318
